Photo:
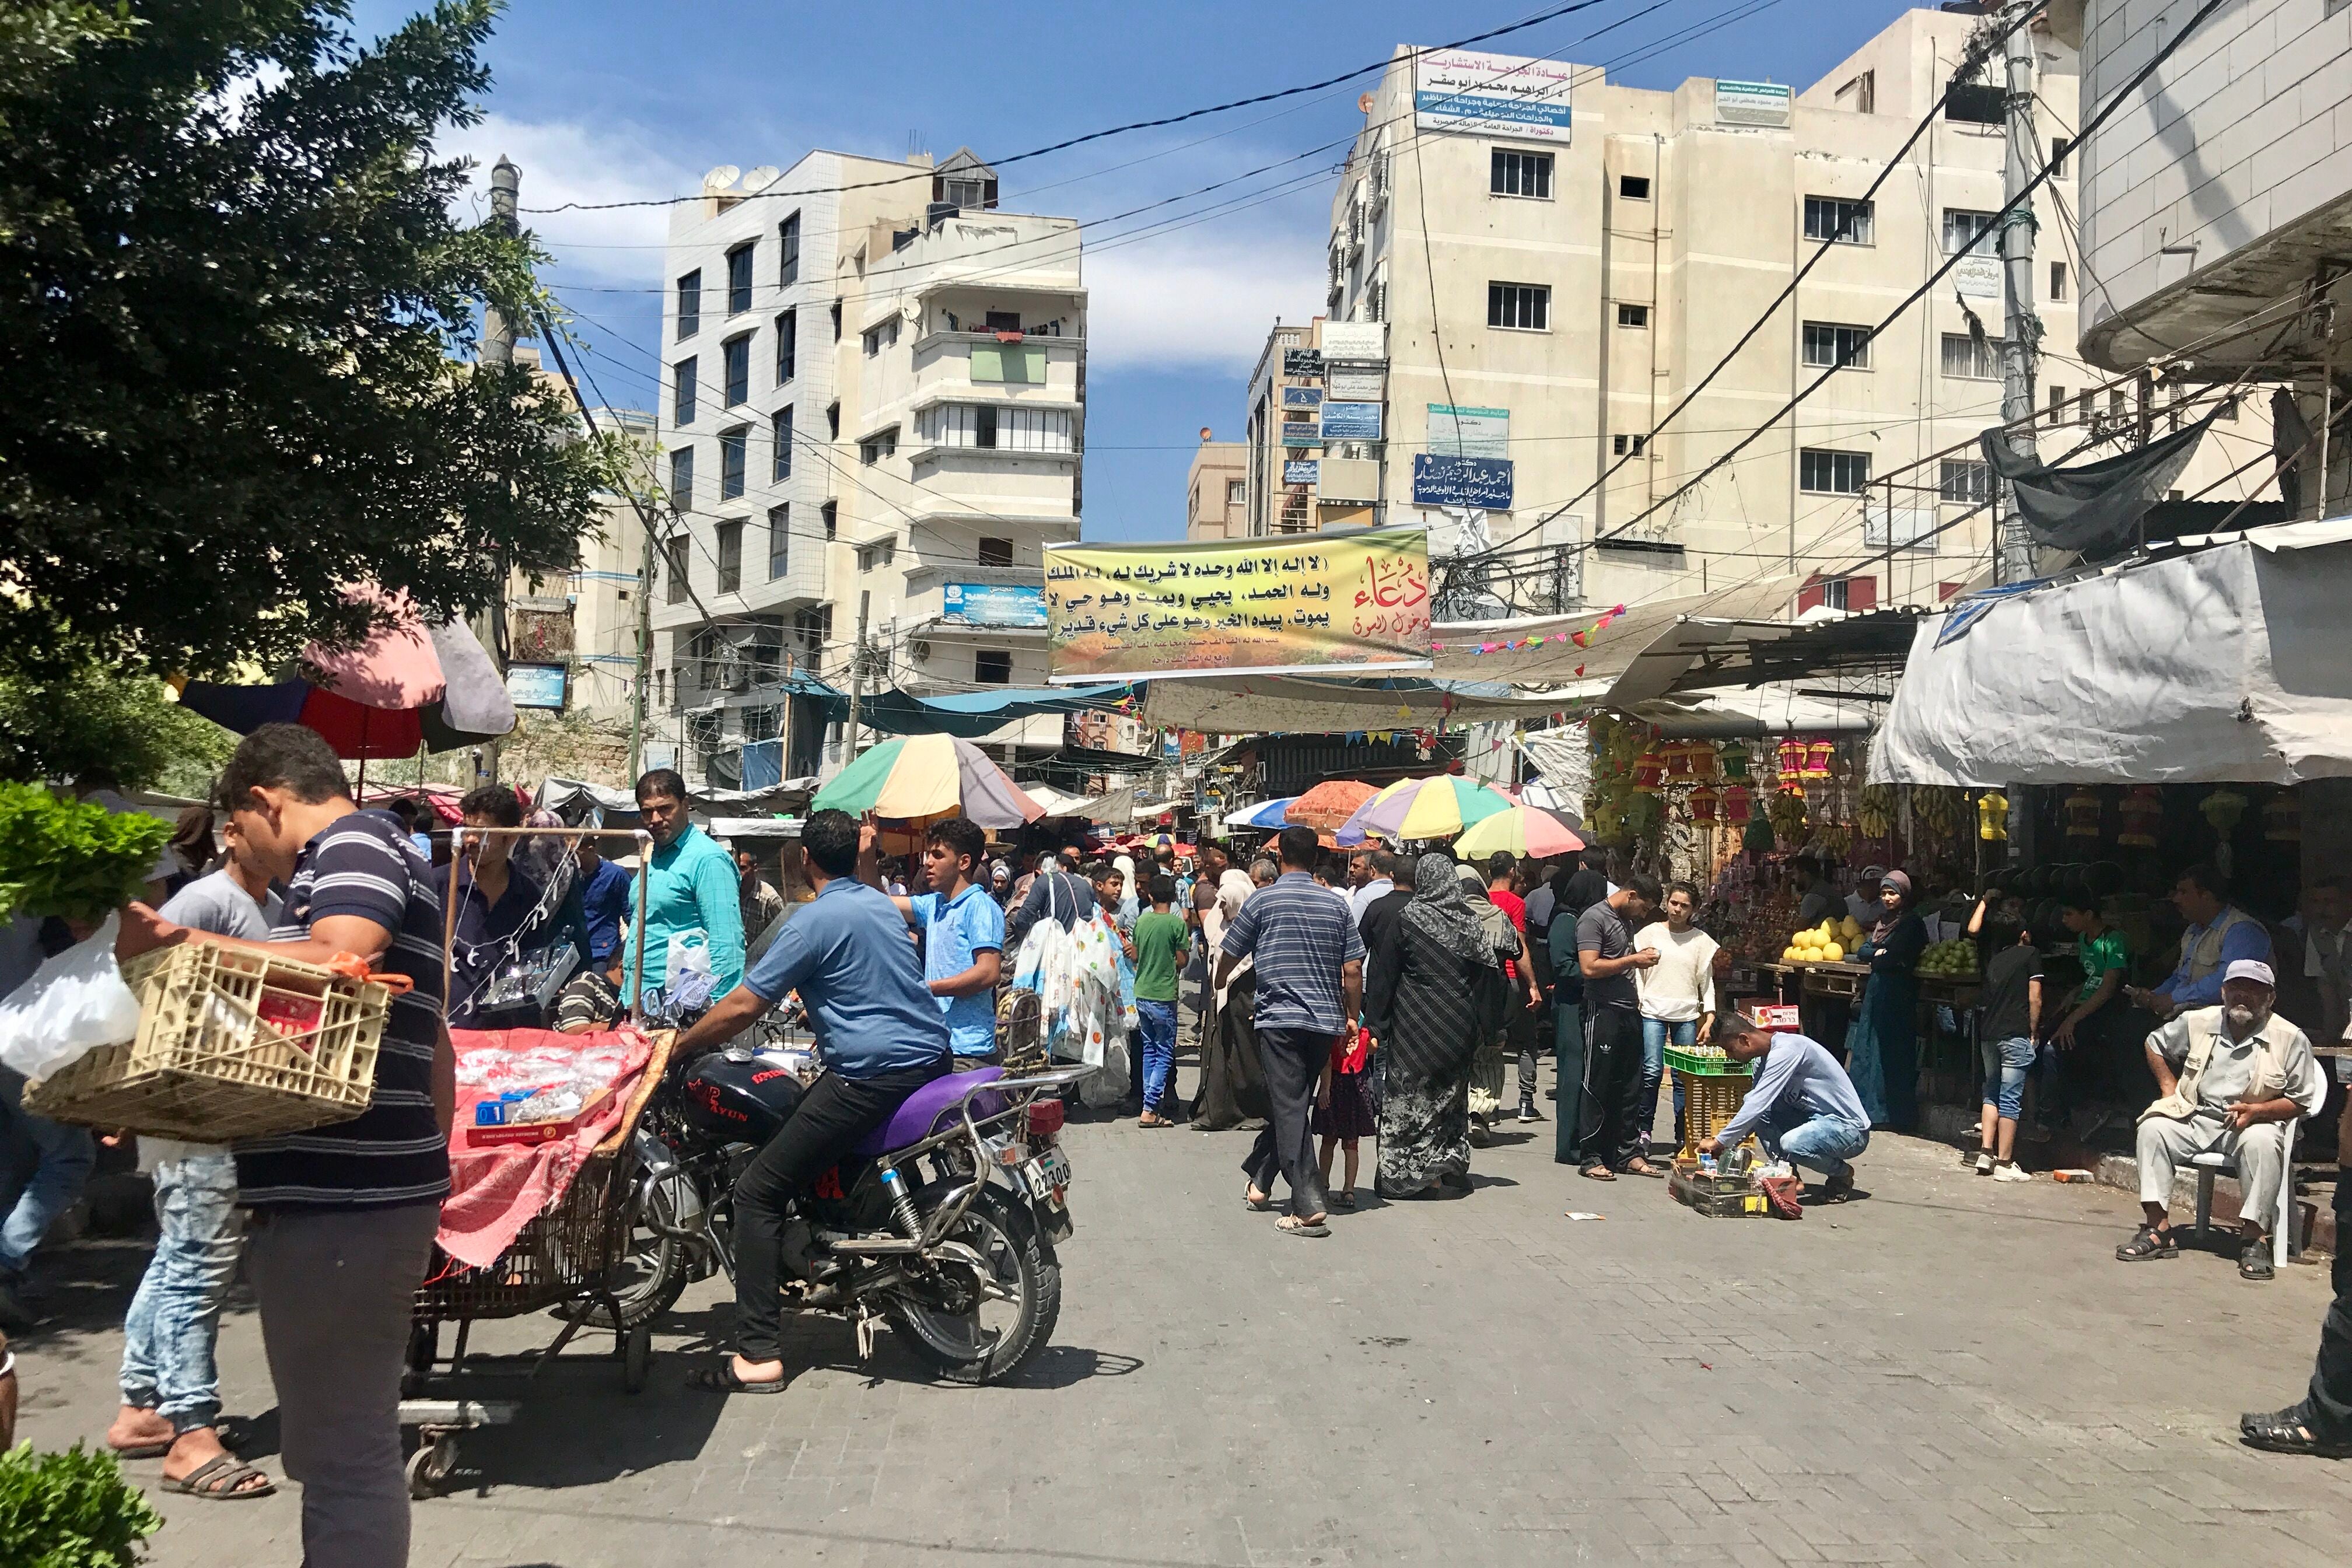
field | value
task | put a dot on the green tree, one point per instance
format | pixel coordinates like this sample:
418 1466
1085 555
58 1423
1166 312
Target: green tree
235 314
93 723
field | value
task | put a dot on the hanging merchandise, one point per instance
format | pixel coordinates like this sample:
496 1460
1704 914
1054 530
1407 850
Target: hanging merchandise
1937 809
1874 815
1703 762
1817 759
2222 809
1786 812
1649 774
1992 816
1736 805
2140 813
1789 758
1734 759
1702 805
2283 819
1758 836
2083 814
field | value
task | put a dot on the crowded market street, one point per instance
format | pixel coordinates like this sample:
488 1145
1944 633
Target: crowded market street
1951 1371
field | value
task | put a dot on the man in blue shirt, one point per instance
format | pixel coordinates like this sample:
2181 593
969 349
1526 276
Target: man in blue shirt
1802 1107
690 885
882 1038
963 940
2218 934
601 898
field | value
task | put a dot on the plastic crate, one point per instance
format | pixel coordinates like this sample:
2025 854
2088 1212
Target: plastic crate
1709 1102
232 1044
1698 1066
1718 1197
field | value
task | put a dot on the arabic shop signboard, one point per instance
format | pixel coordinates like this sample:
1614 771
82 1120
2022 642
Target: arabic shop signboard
1481 484
1302 397
1312 604
1300 471
1302 365
1480 94
1356 341
992 604
1301 433
1977 276
1351 422
1469 431
1355 383
1764 103
536 686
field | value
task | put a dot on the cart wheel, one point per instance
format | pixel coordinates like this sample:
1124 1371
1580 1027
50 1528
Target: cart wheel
424 1347
430 1466
637 1359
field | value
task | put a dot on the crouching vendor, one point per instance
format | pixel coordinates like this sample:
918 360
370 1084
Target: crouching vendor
1803 1108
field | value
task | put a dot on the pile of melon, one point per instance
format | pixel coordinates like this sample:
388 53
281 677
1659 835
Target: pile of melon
1827 943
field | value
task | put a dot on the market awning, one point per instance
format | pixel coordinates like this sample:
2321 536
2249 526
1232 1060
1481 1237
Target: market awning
1555 657
2221 659
971 714
1320 705
1700 652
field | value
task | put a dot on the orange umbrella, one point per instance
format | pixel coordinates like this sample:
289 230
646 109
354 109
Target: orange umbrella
1329 805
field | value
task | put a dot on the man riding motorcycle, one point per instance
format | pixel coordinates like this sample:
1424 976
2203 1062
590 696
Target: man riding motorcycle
882 1036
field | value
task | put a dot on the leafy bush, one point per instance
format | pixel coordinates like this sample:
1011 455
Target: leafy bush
69 858
70 1510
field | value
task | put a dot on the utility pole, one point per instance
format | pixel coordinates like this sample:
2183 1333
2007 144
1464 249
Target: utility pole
644 673
497 349
2021 328
858 668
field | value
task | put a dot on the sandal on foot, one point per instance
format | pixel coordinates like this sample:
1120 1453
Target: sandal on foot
1343 1200
221 1479
140 1451
1256 1205
1597 1172
1645 1168
2289 1431
723 1379
2149 1245
1291 1225
2254 1261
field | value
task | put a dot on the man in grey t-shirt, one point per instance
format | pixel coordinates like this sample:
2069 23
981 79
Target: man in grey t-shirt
1610 1126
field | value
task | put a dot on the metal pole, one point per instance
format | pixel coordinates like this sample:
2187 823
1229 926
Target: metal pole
644 673
858 668
497 349
2021 330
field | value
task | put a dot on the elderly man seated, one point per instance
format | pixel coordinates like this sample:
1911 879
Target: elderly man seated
2234 1078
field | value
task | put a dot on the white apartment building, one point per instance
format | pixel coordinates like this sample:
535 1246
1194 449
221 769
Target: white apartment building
1557 262
588 621
874 409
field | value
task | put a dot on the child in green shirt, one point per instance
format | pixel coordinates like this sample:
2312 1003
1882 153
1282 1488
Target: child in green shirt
1161 939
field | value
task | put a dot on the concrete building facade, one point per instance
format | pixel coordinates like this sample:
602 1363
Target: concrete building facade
1557 262
1216 490
874 409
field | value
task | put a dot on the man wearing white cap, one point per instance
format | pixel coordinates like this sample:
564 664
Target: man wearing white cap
2234 1079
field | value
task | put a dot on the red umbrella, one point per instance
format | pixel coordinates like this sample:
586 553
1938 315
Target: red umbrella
1329 805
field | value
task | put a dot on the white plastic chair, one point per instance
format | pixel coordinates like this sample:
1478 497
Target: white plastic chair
2212 1164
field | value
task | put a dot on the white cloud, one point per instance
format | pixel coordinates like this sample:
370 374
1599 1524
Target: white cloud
1198 299
565 161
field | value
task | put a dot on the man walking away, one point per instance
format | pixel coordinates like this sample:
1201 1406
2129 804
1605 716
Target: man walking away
1161 939
343 1214
963 940
1055 890
1803 1108
1527 999
1677 998
1309 962
1613 1029
2012 1017
1579 890
2322 1424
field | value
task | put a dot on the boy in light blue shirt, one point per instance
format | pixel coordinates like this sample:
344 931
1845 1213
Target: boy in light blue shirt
963 939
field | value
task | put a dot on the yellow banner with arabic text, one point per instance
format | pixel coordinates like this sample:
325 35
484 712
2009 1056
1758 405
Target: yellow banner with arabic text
1299 604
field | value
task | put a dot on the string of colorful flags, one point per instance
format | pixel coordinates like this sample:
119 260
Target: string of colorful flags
1519 644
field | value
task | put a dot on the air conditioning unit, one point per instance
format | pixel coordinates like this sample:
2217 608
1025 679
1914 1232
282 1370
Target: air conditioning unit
920 649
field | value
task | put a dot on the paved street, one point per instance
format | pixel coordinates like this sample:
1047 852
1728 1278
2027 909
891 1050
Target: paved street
1951 1372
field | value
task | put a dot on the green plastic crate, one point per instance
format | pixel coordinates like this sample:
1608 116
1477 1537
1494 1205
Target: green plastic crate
1707 1066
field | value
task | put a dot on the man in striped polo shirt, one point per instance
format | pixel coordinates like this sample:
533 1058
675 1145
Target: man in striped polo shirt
344 1215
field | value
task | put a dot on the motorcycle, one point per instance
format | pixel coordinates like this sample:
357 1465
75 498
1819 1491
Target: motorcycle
942 1226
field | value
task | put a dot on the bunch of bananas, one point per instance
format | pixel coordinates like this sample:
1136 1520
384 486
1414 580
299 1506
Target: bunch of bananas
1836 838
1938 808
1875 815
1787 811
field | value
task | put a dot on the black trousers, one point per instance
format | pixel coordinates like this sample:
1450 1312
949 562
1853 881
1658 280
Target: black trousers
2331 1380
1612 1124
831 1117
1292 1059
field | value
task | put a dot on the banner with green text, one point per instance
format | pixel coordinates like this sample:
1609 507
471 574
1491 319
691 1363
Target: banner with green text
1295 603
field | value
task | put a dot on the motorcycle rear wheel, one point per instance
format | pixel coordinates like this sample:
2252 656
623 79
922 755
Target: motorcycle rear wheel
997 1337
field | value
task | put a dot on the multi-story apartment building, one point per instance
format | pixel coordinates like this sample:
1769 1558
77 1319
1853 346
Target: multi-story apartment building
588 621
1557 262
874 414
1216 490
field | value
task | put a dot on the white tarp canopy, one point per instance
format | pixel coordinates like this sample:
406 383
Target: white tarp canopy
2230 662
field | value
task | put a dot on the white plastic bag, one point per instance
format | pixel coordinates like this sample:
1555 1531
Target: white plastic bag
74 1003
689 952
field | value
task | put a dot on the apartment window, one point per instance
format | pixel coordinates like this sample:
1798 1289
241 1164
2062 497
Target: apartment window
830 515
676 549
992 666
1834 345
1860 95
1633 187
690 304
763 723
1520 174
1833 473
681 480
1966 230
788 346
2115 404
1629 445
681 391
2057 415
780 540
733 445
879 338
735 362
1850 594
996 553
780 425
788 237
833 420
1633 315
880 552
813 629
2059 147
1236 492
836 320
731 556
1520 307
995 427
1969 357
2057 282
661 688
1840 222
881 445
738 279
1967 481
2083 407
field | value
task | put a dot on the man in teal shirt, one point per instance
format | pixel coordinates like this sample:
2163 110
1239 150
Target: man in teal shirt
690 885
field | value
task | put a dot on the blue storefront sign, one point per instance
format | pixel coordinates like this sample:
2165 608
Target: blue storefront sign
1302 397
1351 422
1300 471
1484 483
993 604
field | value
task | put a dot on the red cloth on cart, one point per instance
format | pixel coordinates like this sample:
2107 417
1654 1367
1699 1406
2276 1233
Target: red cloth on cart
497 1188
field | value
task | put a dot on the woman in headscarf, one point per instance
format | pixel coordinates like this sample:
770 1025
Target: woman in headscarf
1131 907
1883 1044
1232 1093
1433 995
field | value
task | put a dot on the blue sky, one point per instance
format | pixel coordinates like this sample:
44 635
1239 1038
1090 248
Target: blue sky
602 100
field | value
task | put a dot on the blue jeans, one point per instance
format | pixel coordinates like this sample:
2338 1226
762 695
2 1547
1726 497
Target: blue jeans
174 1319
1155 1022
1656 1034
1822 1144
2006 1063
67 1154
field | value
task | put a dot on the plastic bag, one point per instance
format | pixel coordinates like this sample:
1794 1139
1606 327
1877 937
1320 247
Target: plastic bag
74 1003
689 952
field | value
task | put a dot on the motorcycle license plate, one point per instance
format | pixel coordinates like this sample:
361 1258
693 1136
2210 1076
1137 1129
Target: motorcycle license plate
1046 1171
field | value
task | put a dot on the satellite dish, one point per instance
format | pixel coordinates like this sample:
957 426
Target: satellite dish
1364 104
760 178
719 178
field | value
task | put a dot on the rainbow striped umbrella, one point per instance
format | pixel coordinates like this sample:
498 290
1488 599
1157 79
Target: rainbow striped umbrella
1528 832
1435 807
915 778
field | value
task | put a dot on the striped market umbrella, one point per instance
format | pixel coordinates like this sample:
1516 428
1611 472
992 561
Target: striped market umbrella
1524 830
1329 804
1436 807
1270 815
917 778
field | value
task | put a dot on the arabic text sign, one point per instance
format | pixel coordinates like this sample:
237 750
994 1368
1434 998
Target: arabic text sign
1752 103
1302 364
1299 471
1351 421
1355 383
1302 397
536 686
1355 340
1492 95
993 604
1355 601
1469 431
1481 484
